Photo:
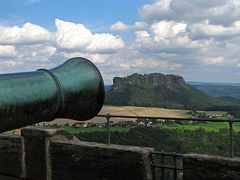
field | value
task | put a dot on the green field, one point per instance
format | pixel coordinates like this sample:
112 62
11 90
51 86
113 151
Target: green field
208 126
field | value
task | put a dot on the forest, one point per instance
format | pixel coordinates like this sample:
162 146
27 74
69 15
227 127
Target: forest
171 140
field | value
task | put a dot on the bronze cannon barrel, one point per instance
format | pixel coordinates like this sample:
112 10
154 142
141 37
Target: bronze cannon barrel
72 90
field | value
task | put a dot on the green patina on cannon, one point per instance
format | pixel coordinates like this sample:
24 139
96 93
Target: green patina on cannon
72 90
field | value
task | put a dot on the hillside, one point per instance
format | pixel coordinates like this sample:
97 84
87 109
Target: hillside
159 90
219 90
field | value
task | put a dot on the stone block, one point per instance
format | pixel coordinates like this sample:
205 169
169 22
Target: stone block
11 155
205 167
93 161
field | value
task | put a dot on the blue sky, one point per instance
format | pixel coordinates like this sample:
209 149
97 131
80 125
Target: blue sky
92 13
198 40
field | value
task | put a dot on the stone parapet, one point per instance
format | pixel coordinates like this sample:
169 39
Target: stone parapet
50 154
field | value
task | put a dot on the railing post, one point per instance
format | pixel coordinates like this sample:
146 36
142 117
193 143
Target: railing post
153 167
162 169
231 137
175 165
108 116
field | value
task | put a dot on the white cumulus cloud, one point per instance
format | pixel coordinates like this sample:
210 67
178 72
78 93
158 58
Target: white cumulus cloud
7 51
217 11
37 52
142 36
214 60
77 37
156 10
105 43
27 34
168 29
163 36
71 36
141 63
155 63
206 29
120 26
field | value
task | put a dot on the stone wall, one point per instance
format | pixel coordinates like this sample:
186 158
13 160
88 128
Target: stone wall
56 155
98 161
204 167
49 154
11 155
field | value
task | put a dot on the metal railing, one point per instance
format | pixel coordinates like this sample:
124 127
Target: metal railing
230 122
169 164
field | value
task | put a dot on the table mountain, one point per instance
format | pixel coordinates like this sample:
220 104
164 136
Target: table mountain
159 90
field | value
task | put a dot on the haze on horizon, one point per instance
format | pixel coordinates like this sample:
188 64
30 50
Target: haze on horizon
198 40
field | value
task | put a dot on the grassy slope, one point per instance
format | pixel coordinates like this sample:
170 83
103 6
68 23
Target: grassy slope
220 90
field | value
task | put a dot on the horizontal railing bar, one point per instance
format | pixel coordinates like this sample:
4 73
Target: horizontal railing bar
168 118
166 154
8 176
166 167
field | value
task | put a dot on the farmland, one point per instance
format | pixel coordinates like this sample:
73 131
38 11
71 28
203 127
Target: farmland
126 110
145 111
135 111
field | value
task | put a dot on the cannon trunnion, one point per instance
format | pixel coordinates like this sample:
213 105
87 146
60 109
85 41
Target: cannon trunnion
72 90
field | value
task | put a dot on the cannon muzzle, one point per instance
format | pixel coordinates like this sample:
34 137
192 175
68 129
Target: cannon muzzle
73 90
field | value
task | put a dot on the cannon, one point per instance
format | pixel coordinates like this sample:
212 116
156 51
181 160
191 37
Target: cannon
73 90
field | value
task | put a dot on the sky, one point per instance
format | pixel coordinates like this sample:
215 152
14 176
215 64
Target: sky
196 39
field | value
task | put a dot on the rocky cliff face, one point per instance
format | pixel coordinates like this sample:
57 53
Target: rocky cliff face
151 79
